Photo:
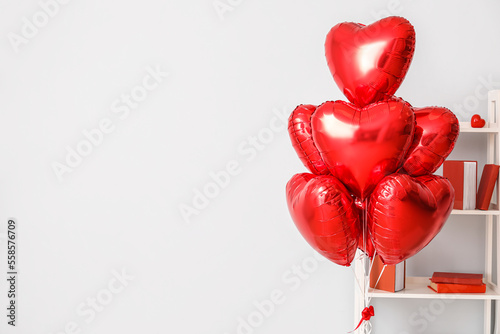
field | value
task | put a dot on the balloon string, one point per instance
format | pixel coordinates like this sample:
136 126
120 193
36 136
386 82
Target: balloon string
364 225
373 260
368 311
378 279
365 319
357 280
362 290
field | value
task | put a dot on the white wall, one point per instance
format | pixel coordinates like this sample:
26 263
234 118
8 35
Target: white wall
118 209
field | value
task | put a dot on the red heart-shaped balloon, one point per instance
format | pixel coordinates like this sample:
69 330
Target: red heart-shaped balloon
325 215
360 146
299 129
477 122
435 136
370 62
406 213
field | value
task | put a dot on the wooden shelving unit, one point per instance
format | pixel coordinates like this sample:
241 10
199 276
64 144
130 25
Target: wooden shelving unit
416 287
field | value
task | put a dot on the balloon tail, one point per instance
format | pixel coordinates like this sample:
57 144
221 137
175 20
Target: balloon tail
368 310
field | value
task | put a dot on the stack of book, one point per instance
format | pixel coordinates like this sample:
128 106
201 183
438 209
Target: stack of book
463 178
457 283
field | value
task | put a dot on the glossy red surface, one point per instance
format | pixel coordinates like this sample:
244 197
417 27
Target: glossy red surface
299 129
370 62
435 136
360 146
325 215
405 213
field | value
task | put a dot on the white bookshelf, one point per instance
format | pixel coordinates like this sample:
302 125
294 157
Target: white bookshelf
416 287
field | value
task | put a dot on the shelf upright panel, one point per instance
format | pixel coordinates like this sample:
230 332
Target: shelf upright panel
492 221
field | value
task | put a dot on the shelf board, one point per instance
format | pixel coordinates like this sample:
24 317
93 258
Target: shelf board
416 287
488 128
476 212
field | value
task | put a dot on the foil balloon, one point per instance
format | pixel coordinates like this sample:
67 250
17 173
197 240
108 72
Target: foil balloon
325 215
299 129
370 62
406 213
360 146
371 159
435 136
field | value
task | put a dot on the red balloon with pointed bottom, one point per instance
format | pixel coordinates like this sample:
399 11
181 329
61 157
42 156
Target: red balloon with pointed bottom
360 146
370 62
436 132
325 215
405 213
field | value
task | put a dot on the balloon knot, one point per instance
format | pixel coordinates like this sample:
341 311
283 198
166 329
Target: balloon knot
366 315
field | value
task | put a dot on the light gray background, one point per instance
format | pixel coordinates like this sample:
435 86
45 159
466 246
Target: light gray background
228 78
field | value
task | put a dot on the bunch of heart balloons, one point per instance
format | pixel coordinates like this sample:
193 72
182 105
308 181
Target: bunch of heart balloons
372 161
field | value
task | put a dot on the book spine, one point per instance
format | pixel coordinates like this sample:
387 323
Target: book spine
454 172
460 288
470 185
448 280
486 186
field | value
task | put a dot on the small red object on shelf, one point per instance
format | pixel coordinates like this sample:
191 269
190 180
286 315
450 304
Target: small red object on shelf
477 122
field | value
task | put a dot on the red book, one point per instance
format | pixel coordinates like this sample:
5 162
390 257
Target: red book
457 278
392 278
486 186
457 288
463 178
